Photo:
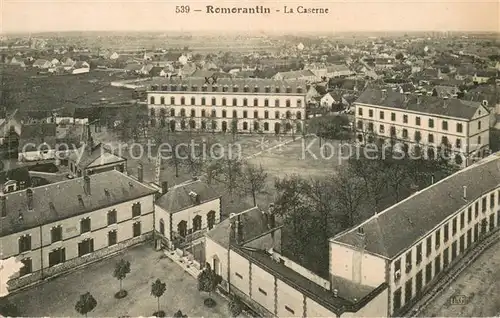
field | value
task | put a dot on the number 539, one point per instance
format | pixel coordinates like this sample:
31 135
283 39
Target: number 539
182 9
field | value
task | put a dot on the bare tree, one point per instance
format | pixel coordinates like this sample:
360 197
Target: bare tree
230 174
253 181
348 191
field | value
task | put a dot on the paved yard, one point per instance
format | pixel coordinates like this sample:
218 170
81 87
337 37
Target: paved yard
57 298
474 293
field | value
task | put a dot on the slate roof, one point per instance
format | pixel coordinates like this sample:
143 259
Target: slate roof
429 104
445 90
59 201
295 74
195 84
347 290
99 153
178 199
254 224
397 228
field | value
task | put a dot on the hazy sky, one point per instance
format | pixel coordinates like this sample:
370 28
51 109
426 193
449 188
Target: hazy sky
159 15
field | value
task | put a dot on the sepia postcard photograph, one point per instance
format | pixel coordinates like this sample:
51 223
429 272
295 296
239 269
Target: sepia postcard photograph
255 158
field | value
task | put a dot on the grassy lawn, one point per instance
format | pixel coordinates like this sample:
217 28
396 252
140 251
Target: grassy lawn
57 298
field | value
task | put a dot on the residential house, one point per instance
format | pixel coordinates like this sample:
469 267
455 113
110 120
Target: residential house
412 244
17 62
442 91
245 250
114 56
14 180
37 142
54 62
57 227
303 75
145 69
186 70
155 71
80 67
427 122
42 64
333 98
185 212
133 68
95 158
167 70
482 77
68 63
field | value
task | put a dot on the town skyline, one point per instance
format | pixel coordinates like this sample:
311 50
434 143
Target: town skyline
20 16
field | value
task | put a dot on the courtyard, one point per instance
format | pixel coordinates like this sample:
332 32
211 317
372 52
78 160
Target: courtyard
473 293
57 297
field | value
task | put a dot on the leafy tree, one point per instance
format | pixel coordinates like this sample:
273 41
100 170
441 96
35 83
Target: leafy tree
230 174
179 314
122 269
253 181
85 304
158 288
8 309
207 282
348 192
235 307
399 56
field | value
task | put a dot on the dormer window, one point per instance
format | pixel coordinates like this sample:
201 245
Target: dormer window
194 88
173 87
204 88
164 87
235 88
268 89
277 90
184 87
299 90
214 88
225 88
246 89
256 89
288 89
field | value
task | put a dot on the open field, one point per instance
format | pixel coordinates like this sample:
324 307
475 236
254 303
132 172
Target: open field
57 297
478 286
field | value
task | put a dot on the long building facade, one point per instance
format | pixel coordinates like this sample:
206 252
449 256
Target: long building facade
228 105
410 245
56 227
427 121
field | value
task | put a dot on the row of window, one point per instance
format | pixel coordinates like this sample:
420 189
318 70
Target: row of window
417 137
203 113
442 261
223 88
182 229
203 102
457 223
58 255
224 126
430 122
85 226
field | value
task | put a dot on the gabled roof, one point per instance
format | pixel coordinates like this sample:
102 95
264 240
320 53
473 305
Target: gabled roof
428 105
40 62
178 198
397 228
92 156
295 74
59 201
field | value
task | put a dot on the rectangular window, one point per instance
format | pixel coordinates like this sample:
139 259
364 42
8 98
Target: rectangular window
469 237
360 111
136 209
459 128
111 217
446 257
85 225
444 125
483 205
454 227
408 290
397 299
136 228
419 253
381 115
476 206
417 121
25 243
85 247
262 291
56 234
408 261
431 123
405 119
238 275
57 256
370 113
462 220
492 200
428 273
437 265
462 244
453 251
438 239
393 116
469 215
431 138
289 310
27 267
112 238
429 246
492 222
446 233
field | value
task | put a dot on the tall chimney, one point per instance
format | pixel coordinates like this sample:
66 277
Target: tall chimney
164 187
140 173
3 204
384 93
86 185
445 101
240 230
29 197
419 98
465 192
